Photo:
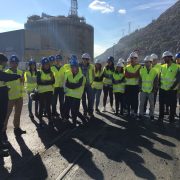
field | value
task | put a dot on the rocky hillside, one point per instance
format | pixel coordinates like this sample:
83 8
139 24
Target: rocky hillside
160 35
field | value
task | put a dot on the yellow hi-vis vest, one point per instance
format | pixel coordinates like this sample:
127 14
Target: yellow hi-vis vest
45 88
148 79
157 67
30 81
89 75
16 87
78 92
120 87
59 76
168 76
2 83
107 81
131 69
95 84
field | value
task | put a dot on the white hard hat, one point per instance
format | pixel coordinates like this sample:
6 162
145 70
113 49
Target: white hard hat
121 60
86 56
147 59
128 59
154 56
97 61
133 55
167 53
120 64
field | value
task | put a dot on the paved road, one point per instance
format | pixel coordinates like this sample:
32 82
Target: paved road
109 147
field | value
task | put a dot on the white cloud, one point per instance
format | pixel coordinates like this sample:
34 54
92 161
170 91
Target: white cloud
101 6
154 5
10 25
122 11
98 49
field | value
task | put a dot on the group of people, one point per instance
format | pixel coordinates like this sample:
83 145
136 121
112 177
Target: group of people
128 82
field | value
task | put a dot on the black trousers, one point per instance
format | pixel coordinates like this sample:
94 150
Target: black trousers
119 101
45 100
108 90
3 108
168 98
73 105
132 92
58 94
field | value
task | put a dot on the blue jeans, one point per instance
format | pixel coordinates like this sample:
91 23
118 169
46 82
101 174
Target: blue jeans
87 92
96 95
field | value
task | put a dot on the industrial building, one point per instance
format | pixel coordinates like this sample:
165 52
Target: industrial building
45 35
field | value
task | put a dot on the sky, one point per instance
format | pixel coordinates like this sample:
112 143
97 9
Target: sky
110 18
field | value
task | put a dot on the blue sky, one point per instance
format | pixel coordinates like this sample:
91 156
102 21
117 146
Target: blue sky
110 18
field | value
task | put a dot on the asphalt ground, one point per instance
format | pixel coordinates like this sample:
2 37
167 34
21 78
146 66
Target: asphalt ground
109 147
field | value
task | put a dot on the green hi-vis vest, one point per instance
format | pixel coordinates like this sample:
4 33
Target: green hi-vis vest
30 81
59 76
89 75
131 69
148 79
78 92
168 76
2 83
16 87
120 87
157 67
107 80
45 88
95 84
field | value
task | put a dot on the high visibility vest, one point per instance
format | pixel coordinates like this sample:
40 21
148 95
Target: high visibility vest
120 87
16 87
89 76
109 73
45 88
78 92
131 69
2 83
168 76
30 81
95 84
59 76
157 67
148 79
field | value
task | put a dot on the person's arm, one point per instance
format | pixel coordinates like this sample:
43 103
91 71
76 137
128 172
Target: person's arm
8 77
44 83
176 81
155 83
74 85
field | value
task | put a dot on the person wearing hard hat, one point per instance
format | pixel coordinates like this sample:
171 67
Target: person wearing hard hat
107 82
87 70
119 87
168 87
74 87
15 96
30 78
148 85
45 82
58 72
51 60
4 77
97 84
132 84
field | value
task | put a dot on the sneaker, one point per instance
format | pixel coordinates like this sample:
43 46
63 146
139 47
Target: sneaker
97 111
85 114
18 132
4 152
152 118
5 145
112 109
104 109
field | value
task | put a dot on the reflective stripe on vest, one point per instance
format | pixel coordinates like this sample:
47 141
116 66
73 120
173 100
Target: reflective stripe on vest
131 69
95 84
148 79
75 93
45 88
30 81
168 76
118 87
16 87
110 74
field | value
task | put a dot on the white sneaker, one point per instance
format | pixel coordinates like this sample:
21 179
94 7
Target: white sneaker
112 109
104 109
